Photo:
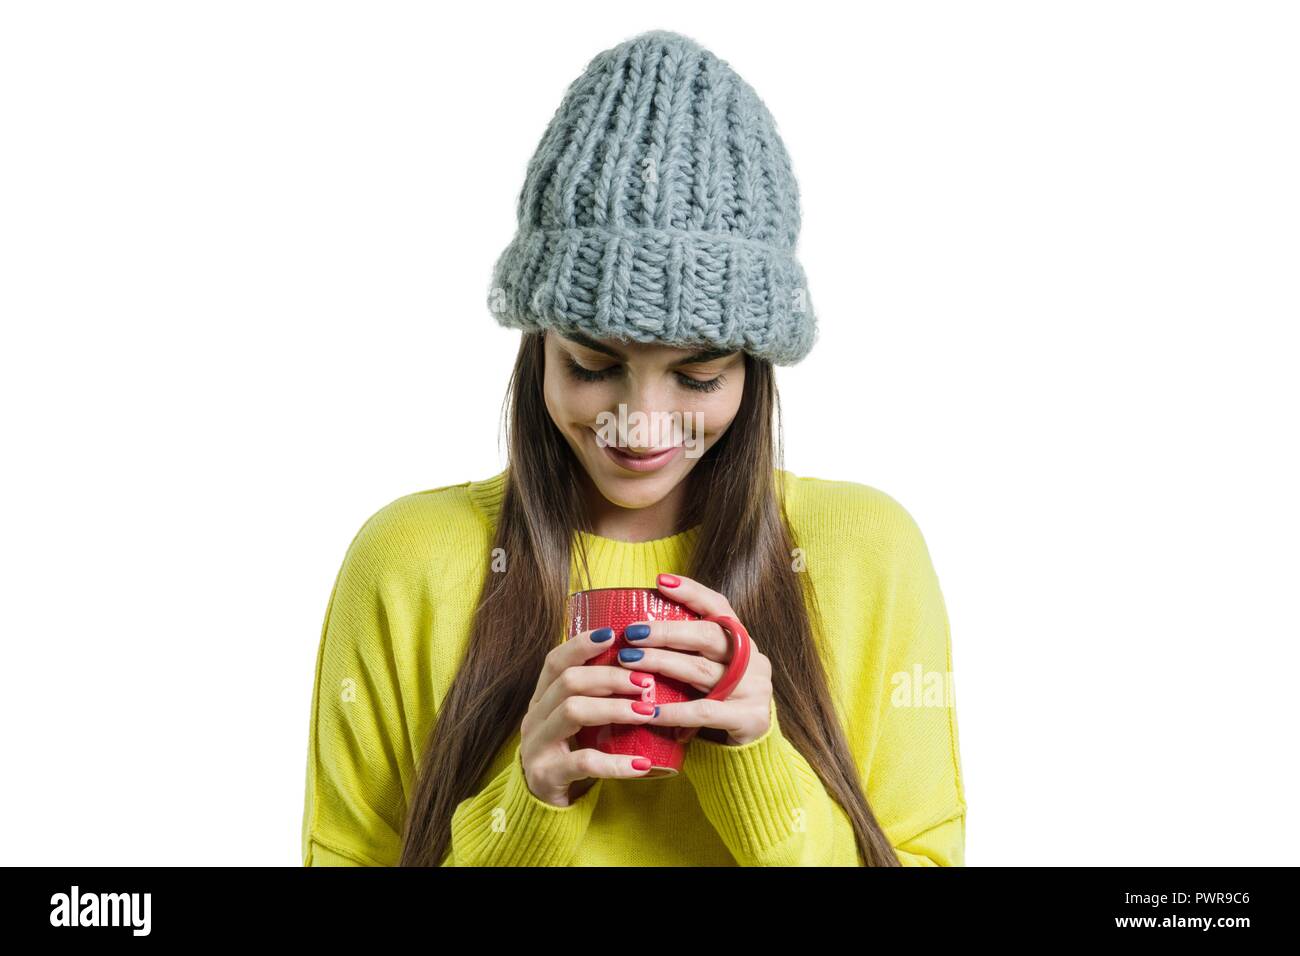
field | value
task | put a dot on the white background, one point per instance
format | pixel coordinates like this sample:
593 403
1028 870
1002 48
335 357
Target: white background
245 253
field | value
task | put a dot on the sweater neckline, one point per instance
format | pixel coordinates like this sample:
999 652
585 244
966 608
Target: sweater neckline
612 562
487 495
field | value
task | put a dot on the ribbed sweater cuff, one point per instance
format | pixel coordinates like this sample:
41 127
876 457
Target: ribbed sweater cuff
757 795
506 824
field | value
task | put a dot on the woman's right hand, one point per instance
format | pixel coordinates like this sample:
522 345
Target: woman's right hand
571 695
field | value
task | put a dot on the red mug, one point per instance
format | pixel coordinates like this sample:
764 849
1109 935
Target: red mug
616 608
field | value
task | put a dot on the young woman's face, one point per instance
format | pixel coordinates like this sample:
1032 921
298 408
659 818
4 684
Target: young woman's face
640 416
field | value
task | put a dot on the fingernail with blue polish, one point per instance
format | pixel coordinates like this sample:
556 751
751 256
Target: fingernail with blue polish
636 632
630 654
656 710
602 635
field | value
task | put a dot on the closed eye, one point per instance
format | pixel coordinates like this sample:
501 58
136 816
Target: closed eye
583 374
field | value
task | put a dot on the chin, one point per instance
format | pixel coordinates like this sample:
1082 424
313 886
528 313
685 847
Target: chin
635 492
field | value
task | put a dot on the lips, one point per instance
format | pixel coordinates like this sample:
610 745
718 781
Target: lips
651 453
641 460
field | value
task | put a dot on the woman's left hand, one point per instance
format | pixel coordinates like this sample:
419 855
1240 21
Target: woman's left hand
746 713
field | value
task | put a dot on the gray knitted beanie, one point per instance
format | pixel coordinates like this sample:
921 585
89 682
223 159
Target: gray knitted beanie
660 206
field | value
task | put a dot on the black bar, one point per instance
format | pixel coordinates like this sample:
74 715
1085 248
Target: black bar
242 904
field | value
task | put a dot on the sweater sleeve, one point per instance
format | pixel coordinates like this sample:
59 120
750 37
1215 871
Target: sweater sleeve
767 803
506 824
362 756
358 751
914 779
765 800
941 845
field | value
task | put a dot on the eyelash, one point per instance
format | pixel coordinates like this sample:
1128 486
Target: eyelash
582 374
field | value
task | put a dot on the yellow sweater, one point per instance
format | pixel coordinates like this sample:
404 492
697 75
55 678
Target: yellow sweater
396 627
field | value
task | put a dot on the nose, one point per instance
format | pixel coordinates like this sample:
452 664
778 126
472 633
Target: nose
647 392
647 419
640 398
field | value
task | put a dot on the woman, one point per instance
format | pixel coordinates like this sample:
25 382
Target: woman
654 279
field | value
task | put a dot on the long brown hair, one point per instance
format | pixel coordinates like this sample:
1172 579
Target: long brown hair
743 551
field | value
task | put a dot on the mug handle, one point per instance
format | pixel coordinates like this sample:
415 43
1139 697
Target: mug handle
735 670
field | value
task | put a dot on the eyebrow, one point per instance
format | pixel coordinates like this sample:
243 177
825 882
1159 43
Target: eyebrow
702 356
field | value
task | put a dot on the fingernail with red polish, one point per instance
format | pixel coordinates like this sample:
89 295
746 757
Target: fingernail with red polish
669 580
640 763
641 678
643 707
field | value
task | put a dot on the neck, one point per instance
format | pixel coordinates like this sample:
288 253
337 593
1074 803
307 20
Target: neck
658 520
